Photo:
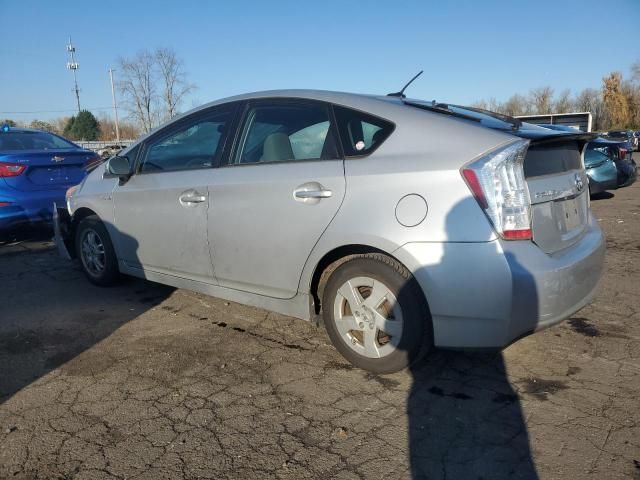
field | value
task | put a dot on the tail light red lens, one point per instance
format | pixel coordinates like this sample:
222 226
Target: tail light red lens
11 169
472 180
623 153
497 182
5 204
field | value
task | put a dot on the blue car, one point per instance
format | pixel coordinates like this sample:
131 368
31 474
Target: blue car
36 169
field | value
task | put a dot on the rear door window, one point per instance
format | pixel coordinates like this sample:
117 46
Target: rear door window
286 131
360 132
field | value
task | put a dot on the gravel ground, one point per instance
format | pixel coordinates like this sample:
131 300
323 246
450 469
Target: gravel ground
145 381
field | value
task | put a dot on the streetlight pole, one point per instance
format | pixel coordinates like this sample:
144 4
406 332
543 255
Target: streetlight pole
115 106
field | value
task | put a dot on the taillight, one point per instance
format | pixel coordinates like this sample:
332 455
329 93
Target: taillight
5 204
11 169
497 182
623 153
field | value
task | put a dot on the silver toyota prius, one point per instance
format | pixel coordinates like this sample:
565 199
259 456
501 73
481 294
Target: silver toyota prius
400 224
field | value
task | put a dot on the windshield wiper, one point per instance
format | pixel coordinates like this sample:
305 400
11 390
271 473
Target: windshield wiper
515 123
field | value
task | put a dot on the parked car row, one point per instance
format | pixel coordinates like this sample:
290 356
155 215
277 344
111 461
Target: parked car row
608 159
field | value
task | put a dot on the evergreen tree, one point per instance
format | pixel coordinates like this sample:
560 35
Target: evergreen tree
85 126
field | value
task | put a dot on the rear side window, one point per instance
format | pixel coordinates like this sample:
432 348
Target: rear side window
360 132
552 159
286 132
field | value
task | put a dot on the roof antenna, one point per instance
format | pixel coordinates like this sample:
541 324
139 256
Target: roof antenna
401 92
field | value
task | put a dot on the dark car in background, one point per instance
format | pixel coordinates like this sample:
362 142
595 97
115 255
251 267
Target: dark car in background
36 169
625 165
626 136
600 172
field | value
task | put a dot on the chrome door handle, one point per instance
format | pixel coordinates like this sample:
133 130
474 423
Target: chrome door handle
313 193
191 197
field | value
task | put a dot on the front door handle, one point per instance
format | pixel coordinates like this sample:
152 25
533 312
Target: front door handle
191 197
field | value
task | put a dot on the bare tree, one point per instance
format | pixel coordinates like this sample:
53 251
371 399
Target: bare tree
128 130
480 104
515 105
564 104
635 72
589 100
174 84
541 98
138 88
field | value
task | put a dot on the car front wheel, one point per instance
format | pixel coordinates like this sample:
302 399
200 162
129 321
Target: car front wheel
375 314
96 253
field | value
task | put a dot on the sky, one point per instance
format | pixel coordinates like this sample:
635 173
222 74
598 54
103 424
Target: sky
468 49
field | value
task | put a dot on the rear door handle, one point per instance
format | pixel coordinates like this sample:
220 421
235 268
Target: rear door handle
191 197
313 193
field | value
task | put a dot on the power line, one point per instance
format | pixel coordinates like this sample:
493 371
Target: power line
55 111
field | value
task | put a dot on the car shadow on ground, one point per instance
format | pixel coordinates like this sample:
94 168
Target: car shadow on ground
602 196
21 235
51 313
465 418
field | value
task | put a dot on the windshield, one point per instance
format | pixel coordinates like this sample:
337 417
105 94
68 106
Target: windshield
33 141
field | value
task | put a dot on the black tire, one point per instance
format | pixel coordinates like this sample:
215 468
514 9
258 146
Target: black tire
416 338
110 274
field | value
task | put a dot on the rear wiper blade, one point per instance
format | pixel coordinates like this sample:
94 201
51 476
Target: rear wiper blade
515 123
440 108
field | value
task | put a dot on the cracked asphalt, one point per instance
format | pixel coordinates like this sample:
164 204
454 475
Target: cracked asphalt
144 381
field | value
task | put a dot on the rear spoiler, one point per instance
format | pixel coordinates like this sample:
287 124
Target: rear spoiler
544 139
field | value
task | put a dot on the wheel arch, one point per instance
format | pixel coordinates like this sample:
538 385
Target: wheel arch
80 214
332 260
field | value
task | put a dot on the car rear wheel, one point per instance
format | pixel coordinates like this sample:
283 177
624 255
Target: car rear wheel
96 253
375 314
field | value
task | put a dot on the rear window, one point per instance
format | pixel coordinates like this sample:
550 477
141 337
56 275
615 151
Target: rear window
360 132
592 156
33 141
552 159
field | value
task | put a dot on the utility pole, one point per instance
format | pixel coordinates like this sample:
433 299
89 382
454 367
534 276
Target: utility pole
115 106
73 66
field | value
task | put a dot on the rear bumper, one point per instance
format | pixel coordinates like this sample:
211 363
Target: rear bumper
28 207
487 295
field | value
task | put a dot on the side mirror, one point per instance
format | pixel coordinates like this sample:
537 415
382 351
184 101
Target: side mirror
118 167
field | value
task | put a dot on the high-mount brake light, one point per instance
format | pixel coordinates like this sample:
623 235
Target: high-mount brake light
497 182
